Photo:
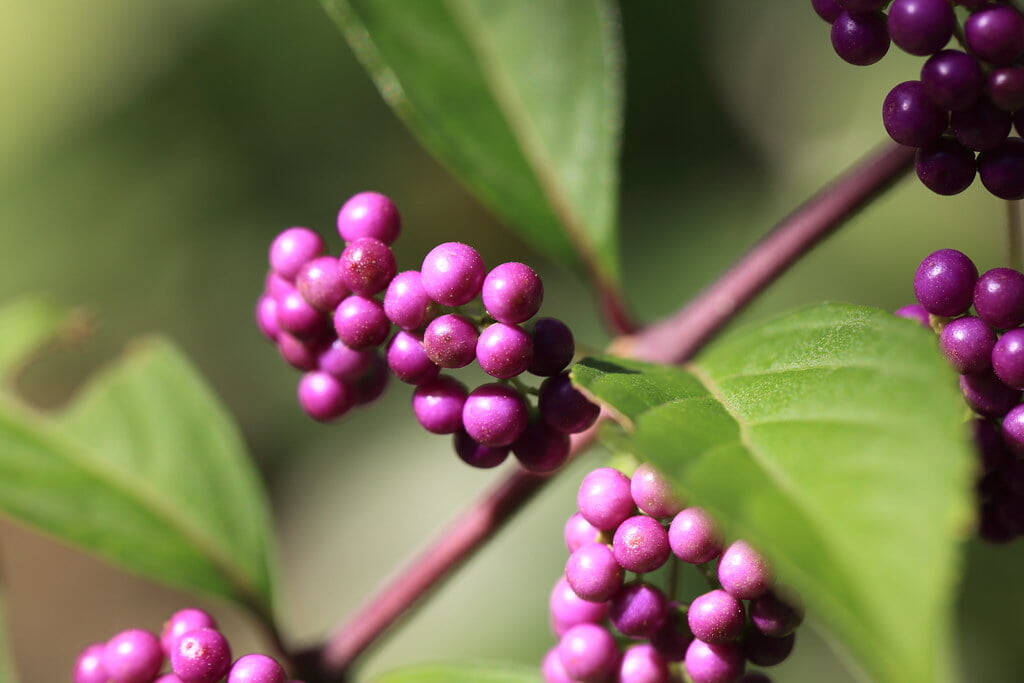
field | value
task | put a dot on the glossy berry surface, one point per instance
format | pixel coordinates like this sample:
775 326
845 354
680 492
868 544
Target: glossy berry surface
967 344
450 340
593 572
1002 169
945 167
915 312
1008 358
495 415
694 536
438 404
541 449
995 33
911 117
743 572
360 322
860 38
1005 88
944 282
920 27
324 397
366 266
1013 430
588 653
553 347
255 668
292 248
710 663
453 273
181 622
563 407
640 544
408 360
133 656
369 214
716 617
89 665
953 79
987 395
343 362
637 610
568 609
201 656
652 492
999 298
578 531
604 498
320 284
642 663
406 303
504 350
476 454
512 292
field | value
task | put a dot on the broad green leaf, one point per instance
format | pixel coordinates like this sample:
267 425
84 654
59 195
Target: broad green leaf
26 325
146 470
462 673
521 100
833 438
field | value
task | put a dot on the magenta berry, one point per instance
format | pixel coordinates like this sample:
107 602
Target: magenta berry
637 610
743 572
915 312
266 317
716 617
588 653
361 323
180 623
133 656
568 609
256 668
653 493
89 665
438 404
578 531
593 572
369 214
320 284
641 544
642 663
694 536
945 167
512 292
944 282
967 344
551 667
292 248
673 636
406 303
827 9
408 360
201 656
495 415
296 317
604 498
476 454
987 395
370 385
366 266
504 350
1013 430
714 663
297 353
324 397
1008 358
452 274
343 362
450 341
1006 88
999 298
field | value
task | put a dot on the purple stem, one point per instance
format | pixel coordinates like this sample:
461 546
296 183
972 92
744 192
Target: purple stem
674 339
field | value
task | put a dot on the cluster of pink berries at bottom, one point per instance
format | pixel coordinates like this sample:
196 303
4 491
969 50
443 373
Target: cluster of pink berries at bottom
331 316
636 525
190 642
987 349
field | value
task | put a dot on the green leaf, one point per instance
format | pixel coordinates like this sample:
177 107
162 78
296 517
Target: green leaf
27 324
461 673
146 470
832 438
521 100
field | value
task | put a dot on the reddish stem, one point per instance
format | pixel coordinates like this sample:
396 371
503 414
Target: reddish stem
674 339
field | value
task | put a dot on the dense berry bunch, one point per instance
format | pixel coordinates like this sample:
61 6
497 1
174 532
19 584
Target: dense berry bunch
612 627
190 645
331 316
987 349
960 112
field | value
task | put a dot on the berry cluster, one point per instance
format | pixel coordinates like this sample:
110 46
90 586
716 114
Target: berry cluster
196 650
987 349
966 101
636 524
327 319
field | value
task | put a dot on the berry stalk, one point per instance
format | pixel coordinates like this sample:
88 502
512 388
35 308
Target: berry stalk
674 339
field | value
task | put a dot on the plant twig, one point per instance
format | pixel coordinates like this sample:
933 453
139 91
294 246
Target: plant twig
674 339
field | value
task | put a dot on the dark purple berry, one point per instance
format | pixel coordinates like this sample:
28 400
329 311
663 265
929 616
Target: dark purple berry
553 347
408 360
910 117
641 544
604 498
369 214
452 273
438 405
967 344
999 298
89 665
360 323
593 572
860 38
921 27
541 449
986 394
406 302
450 340
257 669
710 663
827 9
133 656
861 5
588 653
1008 358
495 415
694 536
995 33
201 656
674 636
981 126
1002 169
653 493
504 350
944 282
716 617
563 407
324 397
765 650
953 80
1006 88
292 248
743 572
320 284
366 266
774 616
945 167
343 362
476 454
989 443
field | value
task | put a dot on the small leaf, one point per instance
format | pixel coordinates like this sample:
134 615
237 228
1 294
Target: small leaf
521 100
462 673
27 324
146 470
833 439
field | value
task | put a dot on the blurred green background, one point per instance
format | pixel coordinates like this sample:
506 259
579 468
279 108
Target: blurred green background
151 149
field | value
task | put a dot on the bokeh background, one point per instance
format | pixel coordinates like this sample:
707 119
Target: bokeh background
151 149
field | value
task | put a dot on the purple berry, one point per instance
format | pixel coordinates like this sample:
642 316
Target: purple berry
324 397
450 341
641 544
1002 169
953 80
1006 88
694 536
999 298
292 248
568 609
765 650
438 404
910 117
366 266
296 317
452 273
642 663
360 323
168 678
343 362
987 395
299 354
541 449
774 616
588 653
409 361
256 669
369 214
1013 430
553 347
743 572
133 656
673 636
653 493
551 668
266 317
1008 358
860 38
320 284
89 665
512 292
275 285
406 302
604 498
637 610
989 442
565 408
201 656
861 5
709 663
946 167
716 617
593 572
995 33
495 415
476 454
981 126
371 385
967 344
504 350
944 282
578 531
180 623
921 27
826 9
915 312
